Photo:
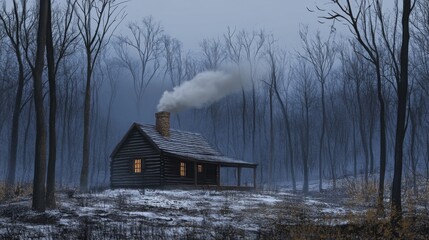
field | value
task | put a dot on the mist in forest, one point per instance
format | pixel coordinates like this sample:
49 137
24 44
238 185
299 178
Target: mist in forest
307 112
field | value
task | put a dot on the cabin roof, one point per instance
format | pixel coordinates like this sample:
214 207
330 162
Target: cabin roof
179 141
189 145
184 144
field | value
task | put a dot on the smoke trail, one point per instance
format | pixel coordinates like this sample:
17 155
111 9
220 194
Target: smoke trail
205 88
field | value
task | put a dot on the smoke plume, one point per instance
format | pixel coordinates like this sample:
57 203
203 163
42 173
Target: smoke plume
204 89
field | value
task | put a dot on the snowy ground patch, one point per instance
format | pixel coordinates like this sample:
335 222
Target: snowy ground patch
176 213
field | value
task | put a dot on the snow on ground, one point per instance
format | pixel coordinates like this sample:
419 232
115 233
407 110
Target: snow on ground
175 211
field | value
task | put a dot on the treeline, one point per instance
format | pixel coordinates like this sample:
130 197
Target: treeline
333 107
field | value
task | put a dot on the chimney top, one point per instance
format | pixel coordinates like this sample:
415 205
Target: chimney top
163 123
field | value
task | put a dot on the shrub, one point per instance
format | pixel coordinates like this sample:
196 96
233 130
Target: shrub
19 190
122 200
2 191
70 192
361 193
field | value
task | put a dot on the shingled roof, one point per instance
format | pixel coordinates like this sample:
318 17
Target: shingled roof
189 145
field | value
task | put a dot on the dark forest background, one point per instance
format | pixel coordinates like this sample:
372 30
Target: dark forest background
326 110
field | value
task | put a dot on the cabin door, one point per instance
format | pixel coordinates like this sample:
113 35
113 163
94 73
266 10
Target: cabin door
200 173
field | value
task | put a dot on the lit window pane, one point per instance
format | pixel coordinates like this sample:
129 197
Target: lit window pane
182 169
137 165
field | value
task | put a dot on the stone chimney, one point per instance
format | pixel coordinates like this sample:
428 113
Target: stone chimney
163 123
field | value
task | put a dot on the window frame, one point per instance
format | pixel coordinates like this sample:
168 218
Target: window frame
182 169
134 164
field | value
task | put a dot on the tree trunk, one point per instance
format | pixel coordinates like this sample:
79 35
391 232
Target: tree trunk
380 198
413 158
253 120
15 39
26 160
402 94
289 137
371 149
306 151
63 137
106 134
40 147
13 146
50 186
362 133
322 135
354 149
86 112
271 167
243 118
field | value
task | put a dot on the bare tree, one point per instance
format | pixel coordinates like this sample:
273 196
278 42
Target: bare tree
6 96
97 20
174 60
111 72
253 45
13 26
305 90
213 52
65 39
421 42
37 70
70 111
285 112
50 189
348 98
146 41
321 55
273 75
402 94
362 22
365 18
277 61
356 72
234 51
420 64
336 129
214 55
416 112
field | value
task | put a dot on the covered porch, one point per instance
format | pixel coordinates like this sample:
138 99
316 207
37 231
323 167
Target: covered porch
206 168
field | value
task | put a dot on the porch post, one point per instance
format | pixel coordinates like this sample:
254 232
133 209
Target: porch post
254 177
218 175
238 176
195 173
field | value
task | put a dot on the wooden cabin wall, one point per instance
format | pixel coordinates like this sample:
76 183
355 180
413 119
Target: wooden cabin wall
209 175
121 165
172 171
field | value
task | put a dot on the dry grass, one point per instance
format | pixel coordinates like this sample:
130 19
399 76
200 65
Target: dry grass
18 191
361 193
359 227
293 218
2 191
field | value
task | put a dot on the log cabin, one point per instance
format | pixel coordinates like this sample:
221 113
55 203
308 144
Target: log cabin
157 156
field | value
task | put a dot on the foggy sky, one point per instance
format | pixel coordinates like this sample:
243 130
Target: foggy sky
191 21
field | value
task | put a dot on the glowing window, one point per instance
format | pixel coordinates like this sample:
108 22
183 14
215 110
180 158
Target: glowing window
200 168
182 169
137 165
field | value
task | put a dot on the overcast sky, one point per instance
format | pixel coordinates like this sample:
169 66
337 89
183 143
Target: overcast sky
190 21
